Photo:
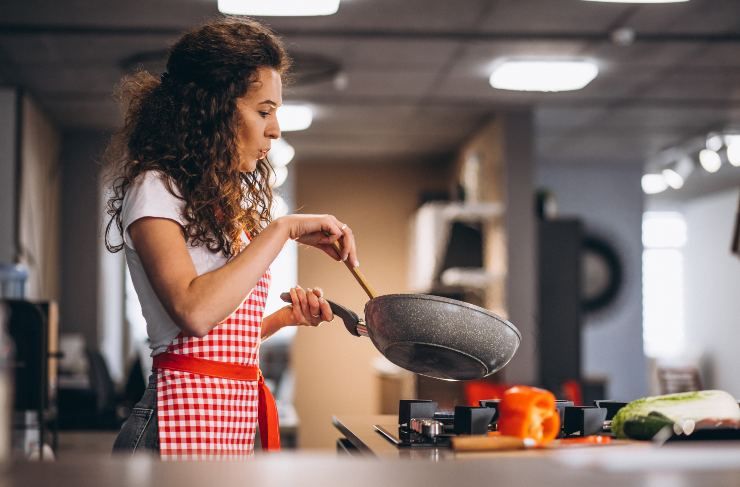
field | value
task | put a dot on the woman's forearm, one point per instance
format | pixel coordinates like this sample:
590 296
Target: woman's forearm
212 297
198 303
272 323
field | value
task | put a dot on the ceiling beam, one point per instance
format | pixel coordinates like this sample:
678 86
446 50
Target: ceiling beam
487 103
427 35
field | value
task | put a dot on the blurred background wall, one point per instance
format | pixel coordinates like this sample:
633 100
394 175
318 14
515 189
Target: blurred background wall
336 372
713 288
609 201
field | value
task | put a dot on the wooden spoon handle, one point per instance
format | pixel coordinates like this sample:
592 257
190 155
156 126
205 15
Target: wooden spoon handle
356 272
487 443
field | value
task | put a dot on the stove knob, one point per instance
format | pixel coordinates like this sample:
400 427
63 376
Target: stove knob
431 428
415 408
471 420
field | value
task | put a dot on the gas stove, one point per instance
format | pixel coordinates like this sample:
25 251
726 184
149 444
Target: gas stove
422 424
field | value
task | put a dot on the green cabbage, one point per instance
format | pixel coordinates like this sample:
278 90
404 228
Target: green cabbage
645 417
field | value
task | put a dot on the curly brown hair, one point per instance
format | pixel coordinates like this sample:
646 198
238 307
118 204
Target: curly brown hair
184 125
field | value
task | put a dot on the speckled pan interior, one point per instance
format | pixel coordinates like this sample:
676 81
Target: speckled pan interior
440 337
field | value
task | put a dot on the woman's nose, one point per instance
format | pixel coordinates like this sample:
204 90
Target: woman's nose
273 130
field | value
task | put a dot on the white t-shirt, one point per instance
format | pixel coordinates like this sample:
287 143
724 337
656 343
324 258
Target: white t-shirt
148 197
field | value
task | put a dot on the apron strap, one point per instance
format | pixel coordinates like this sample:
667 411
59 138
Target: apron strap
267 416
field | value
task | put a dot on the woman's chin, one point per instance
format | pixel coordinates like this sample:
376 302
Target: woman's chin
249 167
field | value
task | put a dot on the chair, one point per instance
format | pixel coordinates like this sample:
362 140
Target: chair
104 389
94 405
678 379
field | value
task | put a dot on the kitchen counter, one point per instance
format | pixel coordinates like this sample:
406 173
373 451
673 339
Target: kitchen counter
378 463
361 439
362 436
330 470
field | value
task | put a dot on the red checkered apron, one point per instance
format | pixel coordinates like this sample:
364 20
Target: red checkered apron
210 391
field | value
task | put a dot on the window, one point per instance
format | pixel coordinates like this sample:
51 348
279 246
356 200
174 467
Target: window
663 237
134 318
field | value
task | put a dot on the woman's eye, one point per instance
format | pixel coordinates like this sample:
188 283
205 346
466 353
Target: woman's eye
264 114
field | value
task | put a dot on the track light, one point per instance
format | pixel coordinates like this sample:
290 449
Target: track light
710 160
733 149
653 183
714 142
672 178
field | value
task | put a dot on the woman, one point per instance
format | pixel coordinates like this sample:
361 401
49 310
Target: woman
192 201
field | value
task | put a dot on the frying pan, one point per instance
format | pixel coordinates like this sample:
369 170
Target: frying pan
430 335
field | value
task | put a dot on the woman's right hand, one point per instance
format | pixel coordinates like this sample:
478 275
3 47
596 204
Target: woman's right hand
321 231
308 307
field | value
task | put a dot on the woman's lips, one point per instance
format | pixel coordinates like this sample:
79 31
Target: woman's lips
263 153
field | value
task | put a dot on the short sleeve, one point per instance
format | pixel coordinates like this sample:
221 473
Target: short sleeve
148 196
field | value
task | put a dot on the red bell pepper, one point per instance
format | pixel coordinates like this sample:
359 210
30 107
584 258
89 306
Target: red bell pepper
529 412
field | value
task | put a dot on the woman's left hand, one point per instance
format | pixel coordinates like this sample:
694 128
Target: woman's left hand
309 308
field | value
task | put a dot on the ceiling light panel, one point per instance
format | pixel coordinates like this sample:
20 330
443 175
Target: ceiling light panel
543 75
294 117
637 1
282 8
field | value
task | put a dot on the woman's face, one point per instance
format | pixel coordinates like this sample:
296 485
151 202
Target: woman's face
258 124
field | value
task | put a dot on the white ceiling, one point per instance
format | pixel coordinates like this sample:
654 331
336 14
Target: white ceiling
417 70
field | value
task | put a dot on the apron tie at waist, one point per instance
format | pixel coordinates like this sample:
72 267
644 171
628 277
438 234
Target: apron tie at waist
267 416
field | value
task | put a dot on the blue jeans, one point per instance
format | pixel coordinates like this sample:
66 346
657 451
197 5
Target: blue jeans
140 432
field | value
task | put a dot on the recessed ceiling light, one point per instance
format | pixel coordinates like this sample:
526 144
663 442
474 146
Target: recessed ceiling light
294 117
638 1
543 75
279 7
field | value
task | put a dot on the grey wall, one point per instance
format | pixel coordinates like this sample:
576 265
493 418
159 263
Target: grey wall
609 200
712 289
8 163
80 234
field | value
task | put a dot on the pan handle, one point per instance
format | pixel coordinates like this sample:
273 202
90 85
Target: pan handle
352 322
349 317
356 272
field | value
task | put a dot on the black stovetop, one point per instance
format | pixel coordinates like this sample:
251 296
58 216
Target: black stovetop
421 424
